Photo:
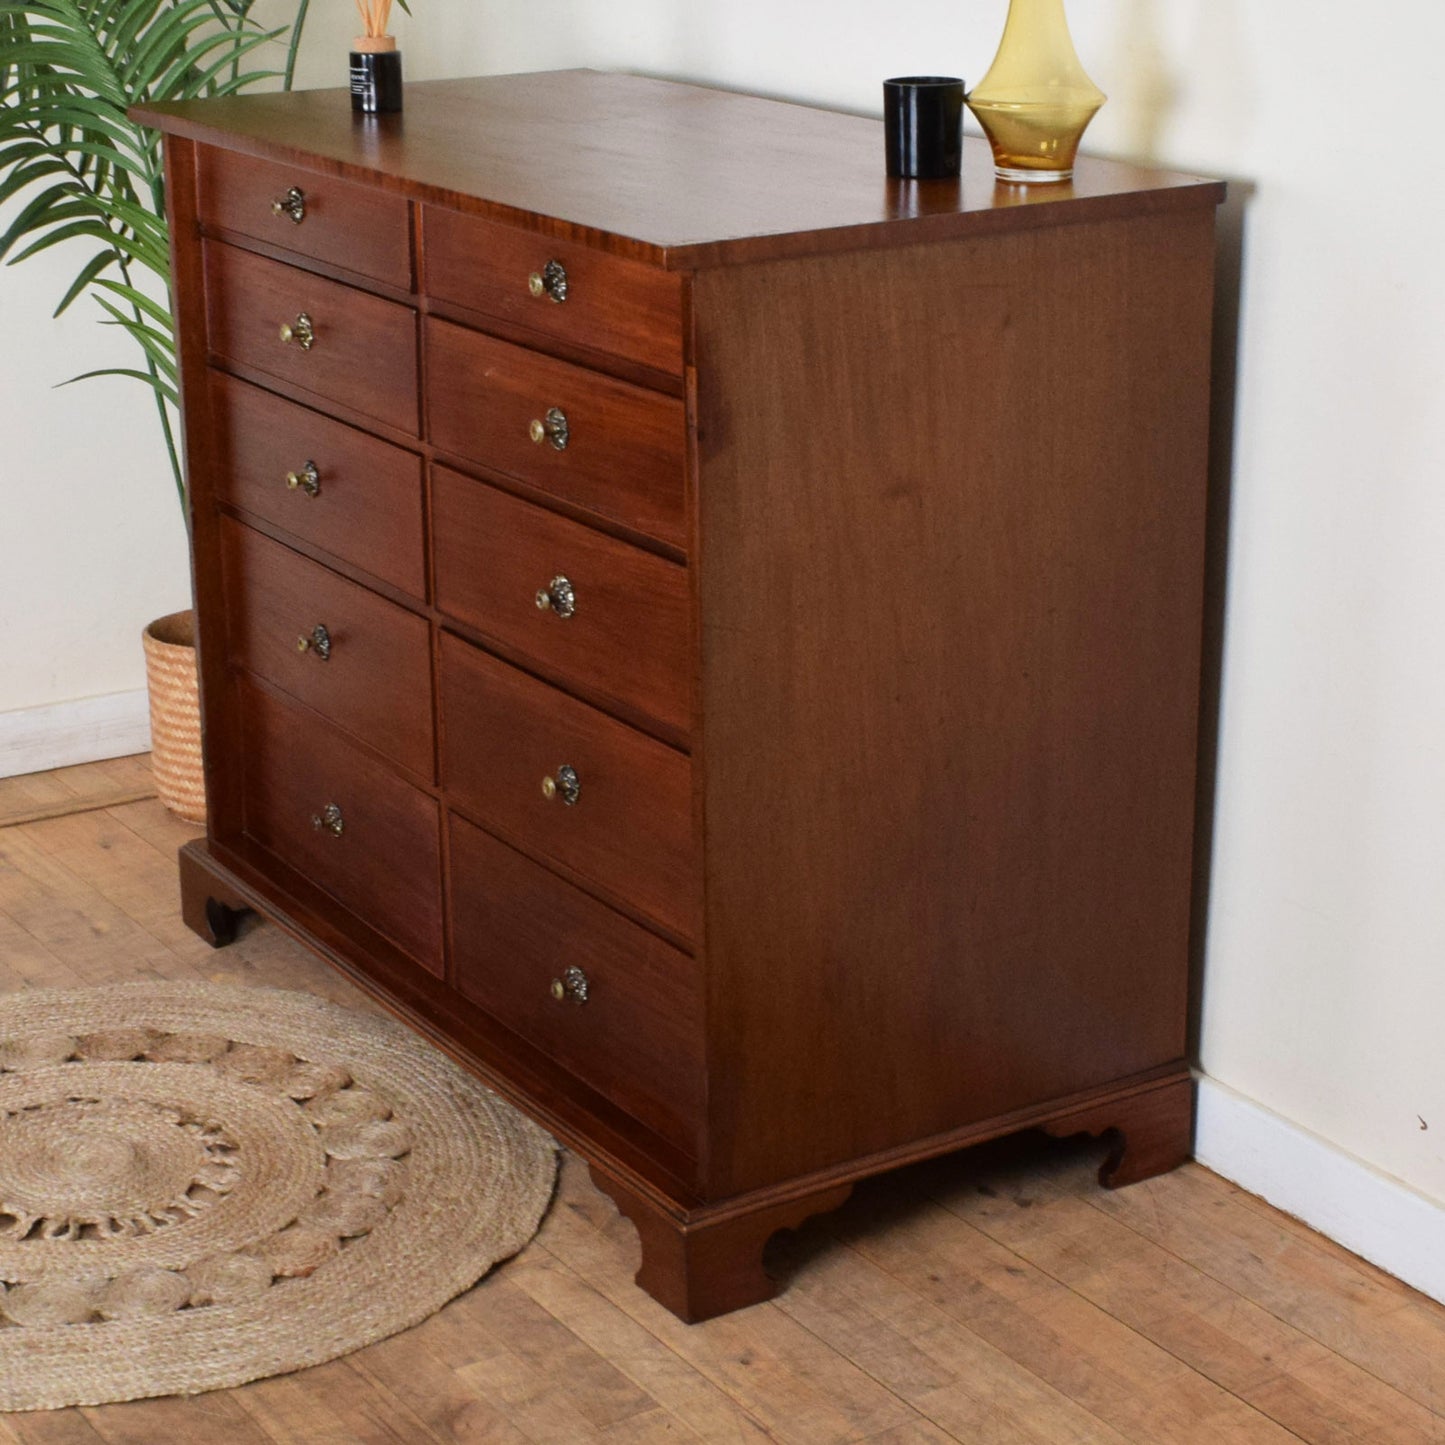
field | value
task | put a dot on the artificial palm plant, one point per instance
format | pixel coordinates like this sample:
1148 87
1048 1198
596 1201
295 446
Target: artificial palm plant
78 172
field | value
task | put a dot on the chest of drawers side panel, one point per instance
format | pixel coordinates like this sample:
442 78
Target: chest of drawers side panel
950 569
220 719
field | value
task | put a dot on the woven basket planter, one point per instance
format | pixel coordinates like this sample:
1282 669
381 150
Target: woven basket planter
170 648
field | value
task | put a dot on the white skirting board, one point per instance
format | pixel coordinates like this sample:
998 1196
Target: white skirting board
1371 1213
84 731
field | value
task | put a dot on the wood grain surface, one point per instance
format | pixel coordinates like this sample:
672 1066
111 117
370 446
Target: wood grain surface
357 228
368 509
386 864
611 305
515 928
275 598
675 175
365 347
950 696
631 829
625 446
627 639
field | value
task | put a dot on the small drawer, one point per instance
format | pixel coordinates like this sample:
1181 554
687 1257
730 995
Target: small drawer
316 216
359 660
521 936
361 351
615 449
589 610
564 291
345 822
328 484
569 782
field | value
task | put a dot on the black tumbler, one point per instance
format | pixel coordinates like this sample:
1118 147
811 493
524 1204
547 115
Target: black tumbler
376 81
923 125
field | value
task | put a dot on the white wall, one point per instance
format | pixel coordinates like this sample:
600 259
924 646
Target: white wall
92 542
1325 989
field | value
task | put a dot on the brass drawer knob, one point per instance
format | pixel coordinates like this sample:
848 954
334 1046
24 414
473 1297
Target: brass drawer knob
317 642
307 480
552 428
557 597
572 985
566 785
329 820
302 331
292 204
550 281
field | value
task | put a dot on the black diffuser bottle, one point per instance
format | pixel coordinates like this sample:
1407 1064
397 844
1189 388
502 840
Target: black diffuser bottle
376 76
375 63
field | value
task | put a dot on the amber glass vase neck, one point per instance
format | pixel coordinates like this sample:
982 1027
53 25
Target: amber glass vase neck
1038 50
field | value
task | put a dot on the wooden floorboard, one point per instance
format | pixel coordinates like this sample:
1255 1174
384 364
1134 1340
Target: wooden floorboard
35 796
996 1298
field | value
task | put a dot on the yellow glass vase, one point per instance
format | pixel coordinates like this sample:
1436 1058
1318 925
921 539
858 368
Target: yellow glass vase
1036 102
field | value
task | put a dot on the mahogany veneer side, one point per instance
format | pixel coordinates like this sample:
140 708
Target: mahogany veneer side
951 697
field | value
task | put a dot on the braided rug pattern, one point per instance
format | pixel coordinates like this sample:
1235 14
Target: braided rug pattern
203 1185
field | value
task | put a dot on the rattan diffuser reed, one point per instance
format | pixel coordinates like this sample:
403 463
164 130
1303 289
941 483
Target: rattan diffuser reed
375 17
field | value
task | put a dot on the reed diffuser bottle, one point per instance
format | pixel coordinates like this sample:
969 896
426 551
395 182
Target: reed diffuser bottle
375 62
1036 101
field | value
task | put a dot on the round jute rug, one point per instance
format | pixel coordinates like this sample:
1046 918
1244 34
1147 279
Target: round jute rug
203 1185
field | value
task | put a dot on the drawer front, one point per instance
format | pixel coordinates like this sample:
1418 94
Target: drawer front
364 352
370 673
516 928
624 452
328 484
608 304
319 217
622 816
384 863
627 637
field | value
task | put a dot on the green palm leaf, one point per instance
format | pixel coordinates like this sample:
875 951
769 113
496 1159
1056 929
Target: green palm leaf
74 168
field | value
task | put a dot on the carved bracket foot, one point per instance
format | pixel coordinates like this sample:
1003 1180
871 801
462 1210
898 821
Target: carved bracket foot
1153 1131
711 1262
210 908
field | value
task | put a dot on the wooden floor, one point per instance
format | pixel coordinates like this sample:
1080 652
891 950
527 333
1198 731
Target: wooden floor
998 1298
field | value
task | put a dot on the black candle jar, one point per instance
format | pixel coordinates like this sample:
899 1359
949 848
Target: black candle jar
923 125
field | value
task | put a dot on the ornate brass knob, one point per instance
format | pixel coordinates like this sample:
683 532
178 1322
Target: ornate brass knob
566 785
307 480
552 428
317 642
329 820
572 985
550 281
302 331
292 204
557 597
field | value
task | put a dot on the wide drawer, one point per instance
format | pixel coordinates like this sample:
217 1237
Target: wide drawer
615 449
363 352
316 216
361 661
518 931
623 634
569 782
568 292
330 485
348 824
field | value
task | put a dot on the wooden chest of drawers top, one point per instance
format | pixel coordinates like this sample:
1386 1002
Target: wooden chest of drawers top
673 176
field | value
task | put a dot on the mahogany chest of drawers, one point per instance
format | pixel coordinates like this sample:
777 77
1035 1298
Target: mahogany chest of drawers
709 633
